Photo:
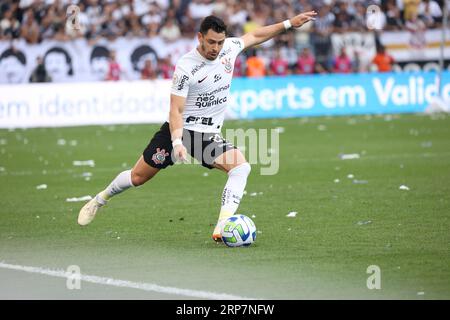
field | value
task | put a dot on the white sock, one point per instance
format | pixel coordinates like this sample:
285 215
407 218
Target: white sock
234 189
121 183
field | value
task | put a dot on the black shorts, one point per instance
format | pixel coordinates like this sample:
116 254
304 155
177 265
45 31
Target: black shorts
205 147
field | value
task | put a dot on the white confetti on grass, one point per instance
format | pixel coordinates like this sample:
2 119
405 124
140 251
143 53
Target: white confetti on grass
350 176
84 198
61 142
355 181
403 187
292 214
337 180
420 293
426 144
362 223
349 156
80 163
41 187
254 194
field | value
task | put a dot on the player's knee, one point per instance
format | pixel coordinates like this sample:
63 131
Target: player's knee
242 170
138 179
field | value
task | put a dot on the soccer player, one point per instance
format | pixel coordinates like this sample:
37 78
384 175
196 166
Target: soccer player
199 94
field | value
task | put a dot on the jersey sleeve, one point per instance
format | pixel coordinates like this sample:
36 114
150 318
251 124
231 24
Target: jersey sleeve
236 45
180 82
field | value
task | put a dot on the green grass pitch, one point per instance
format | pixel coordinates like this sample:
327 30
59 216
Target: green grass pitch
160 233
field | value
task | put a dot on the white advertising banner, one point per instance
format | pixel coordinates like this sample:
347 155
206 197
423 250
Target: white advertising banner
408 46
88 103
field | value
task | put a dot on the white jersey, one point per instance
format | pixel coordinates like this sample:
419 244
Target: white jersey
206 85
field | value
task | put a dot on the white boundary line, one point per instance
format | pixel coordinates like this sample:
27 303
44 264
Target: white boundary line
126 284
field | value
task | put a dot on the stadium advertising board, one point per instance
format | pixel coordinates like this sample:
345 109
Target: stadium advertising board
49 105
370 93
96 103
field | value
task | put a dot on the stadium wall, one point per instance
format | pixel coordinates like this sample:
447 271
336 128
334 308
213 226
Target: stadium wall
126 102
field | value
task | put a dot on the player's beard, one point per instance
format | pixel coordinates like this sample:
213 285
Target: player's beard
206 53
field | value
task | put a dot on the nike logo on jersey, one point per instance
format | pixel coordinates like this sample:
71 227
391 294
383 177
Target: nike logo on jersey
200 81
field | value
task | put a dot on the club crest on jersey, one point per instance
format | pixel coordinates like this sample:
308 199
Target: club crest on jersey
228 65
160 156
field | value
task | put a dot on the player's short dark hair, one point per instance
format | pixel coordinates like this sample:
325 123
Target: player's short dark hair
14 53
66 55
99 52
214 23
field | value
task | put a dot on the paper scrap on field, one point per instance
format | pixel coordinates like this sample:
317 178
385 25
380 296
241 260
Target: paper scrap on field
292 214
349 156
79 163
85 198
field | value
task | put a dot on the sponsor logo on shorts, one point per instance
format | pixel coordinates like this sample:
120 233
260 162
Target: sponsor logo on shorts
160 156
217 138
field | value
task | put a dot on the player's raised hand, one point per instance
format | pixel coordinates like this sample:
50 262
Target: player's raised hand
303 18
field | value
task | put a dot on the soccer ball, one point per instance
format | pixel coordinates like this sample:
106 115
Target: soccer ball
238 230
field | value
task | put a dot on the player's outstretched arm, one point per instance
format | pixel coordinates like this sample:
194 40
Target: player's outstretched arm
176 126
263 34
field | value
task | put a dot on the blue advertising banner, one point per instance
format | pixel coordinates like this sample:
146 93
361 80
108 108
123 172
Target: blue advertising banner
338 94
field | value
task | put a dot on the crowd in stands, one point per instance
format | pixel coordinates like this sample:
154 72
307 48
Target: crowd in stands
42 20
